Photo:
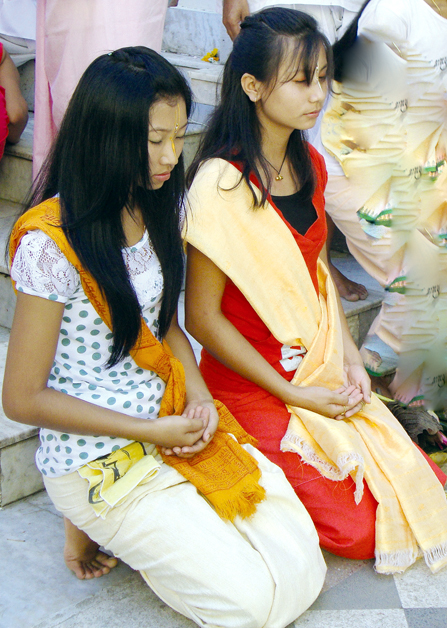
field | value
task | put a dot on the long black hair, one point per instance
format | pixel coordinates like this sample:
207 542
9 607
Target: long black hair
343 46
234 131
99 164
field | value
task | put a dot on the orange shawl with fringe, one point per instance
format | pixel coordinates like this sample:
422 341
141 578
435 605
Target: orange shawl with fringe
223 472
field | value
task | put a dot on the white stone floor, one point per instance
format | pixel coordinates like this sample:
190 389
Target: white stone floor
37 591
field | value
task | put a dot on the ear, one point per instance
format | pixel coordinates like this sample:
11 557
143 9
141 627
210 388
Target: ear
251 86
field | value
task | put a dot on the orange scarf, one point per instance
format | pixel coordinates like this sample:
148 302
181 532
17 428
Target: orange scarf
223 472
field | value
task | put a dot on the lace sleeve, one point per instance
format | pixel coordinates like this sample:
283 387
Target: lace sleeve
41 269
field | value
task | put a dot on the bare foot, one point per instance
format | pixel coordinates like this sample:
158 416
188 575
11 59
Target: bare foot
82 555
349 290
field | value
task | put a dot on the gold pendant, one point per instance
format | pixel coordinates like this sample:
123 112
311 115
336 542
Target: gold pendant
279 177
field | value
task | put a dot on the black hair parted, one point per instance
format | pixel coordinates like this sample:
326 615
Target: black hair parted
99 164
267 38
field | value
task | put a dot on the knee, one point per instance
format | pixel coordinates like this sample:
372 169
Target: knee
356 541
247 605
253 608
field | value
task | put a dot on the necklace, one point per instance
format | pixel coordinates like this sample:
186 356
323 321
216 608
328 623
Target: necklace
279 176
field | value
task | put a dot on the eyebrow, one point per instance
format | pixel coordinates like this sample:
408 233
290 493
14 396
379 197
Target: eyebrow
152 128
322 69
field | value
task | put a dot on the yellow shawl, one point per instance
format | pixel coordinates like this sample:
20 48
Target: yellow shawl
256 250
224 472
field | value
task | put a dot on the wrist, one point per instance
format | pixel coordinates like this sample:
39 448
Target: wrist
352 355
199 396
294 395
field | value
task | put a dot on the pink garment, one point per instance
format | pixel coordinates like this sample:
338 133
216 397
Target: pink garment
4 120
70 35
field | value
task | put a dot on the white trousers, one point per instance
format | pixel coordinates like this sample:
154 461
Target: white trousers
258 572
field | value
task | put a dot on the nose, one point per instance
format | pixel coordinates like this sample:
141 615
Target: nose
317 91
169 156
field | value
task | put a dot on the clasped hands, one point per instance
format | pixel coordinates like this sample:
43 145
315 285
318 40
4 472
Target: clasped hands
336 404
193 430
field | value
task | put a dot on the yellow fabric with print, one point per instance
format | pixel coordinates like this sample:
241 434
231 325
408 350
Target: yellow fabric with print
113 477
257 251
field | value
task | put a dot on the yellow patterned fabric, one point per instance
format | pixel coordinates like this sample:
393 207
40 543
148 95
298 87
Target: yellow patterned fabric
372 445
224 472
112 477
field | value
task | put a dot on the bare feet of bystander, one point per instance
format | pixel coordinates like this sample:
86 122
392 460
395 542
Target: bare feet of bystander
349 290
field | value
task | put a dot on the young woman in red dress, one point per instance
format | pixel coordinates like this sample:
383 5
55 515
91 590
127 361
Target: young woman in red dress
255 153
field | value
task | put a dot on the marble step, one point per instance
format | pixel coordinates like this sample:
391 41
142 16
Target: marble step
193 31
19 476
8 213
16 166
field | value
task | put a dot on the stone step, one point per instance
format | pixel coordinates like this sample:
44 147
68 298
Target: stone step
26 72
16 166
8 214
195 32
19 476
203 77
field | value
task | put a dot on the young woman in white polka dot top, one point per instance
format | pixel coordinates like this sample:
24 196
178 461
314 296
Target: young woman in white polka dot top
106 230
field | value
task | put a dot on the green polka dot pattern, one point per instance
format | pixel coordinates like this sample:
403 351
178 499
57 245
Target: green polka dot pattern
80 366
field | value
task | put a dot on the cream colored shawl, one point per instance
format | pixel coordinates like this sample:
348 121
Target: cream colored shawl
256 250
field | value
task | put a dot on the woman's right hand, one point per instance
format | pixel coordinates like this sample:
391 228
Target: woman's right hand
334 404
175 431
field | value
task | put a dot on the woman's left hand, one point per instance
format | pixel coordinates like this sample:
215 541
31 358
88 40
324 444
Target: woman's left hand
205 410
357 376
357 384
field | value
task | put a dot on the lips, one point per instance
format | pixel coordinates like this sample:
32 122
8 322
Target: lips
162 176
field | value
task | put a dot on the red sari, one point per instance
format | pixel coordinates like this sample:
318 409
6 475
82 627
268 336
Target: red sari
344 528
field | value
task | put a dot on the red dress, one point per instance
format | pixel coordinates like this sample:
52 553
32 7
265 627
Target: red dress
344 528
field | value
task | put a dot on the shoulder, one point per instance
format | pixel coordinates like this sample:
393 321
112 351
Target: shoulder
214 169
213 177
40 268
387 21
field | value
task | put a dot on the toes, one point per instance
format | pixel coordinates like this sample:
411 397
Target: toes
350 296
102 564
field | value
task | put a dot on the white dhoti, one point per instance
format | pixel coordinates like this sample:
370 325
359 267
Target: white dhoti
263 571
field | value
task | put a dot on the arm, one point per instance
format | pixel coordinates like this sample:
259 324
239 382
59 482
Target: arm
28 399
16 106
355 372
205 285
199 402
233 13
